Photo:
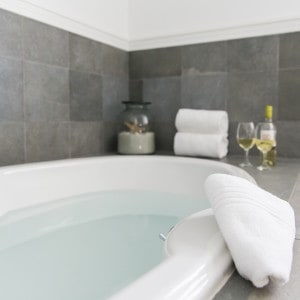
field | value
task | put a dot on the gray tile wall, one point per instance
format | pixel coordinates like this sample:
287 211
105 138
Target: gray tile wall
59 93
240 76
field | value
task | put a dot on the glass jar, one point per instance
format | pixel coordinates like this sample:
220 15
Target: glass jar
135 134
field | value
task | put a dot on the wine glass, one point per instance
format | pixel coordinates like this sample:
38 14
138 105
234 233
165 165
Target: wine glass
245 138
264 140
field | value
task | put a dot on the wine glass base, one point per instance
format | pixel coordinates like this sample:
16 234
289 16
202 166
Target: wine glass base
245 164
262 168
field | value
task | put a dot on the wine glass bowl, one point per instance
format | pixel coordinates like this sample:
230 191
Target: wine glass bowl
245 137
264 141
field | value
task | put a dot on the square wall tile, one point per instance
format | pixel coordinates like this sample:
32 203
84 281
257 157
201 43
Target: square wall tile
164 136
164 94
253 54
10 34
11 89
110 137
115 90
115 62
248 93
136 90
204 58
289 95
12 143
155 63
85 54
289 47
45 44
86 139
46 141
46 92
85 97
204 91
288 138
233 147
136 69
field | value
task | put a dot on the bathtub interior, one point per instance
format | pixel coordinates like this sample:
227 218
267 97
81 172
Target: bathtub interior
116 245
34 221
87 245
56 198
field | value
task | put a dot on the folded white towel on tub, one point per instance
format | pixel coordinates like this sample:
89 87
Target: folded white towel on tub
202 121
196 144
258 227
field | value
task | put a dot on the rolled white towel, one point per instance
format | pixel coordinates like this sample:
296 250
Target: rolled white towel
202 121
196 144
258 227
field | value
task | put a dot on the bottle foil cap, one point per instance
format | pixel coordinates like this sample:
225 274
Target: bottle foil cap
269 111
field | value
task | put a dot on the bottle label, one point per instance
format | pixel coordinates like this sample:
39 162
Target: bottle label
268 135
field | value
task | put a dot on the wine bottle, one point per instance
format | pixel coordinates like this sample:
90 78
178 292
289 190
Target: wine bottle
271 155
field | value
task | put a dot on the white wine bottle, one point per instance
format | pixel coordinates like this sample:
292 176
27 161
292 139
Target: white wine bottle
271 155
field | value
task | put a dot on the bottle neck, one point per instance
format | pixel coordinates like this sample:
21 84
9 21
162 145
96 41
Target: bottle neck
268 120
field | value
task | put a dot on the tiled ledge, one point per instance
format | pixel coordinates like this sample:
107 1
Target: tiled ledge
295 202
279 181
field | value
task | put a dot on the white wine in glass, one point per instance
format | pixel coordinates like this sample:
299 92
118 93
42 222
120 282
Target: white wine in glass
265 141
245 138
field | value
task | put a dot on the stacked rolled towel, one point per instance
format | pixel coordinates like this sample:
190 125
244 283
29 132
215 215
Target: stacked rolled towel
195 144
201 133
258 227
202 121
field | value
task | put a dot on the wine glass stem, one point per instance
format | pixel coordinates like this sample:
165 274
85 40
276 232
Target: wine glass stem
265 162
247 156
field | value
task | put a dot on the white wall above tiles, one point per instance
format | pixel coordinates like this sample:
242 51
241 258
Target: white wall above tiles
145 24
101 20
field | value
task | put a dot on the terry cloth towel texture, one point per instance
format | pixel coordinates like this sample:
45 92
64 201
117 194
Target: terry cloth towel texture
201 133
194 144
202 121
258 227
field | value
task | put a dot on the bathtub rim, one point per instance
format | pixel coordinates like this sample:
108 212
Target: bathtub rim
32 166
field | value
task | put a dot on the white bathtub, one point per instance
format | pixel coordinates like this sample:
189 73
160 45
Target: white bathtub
197 262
